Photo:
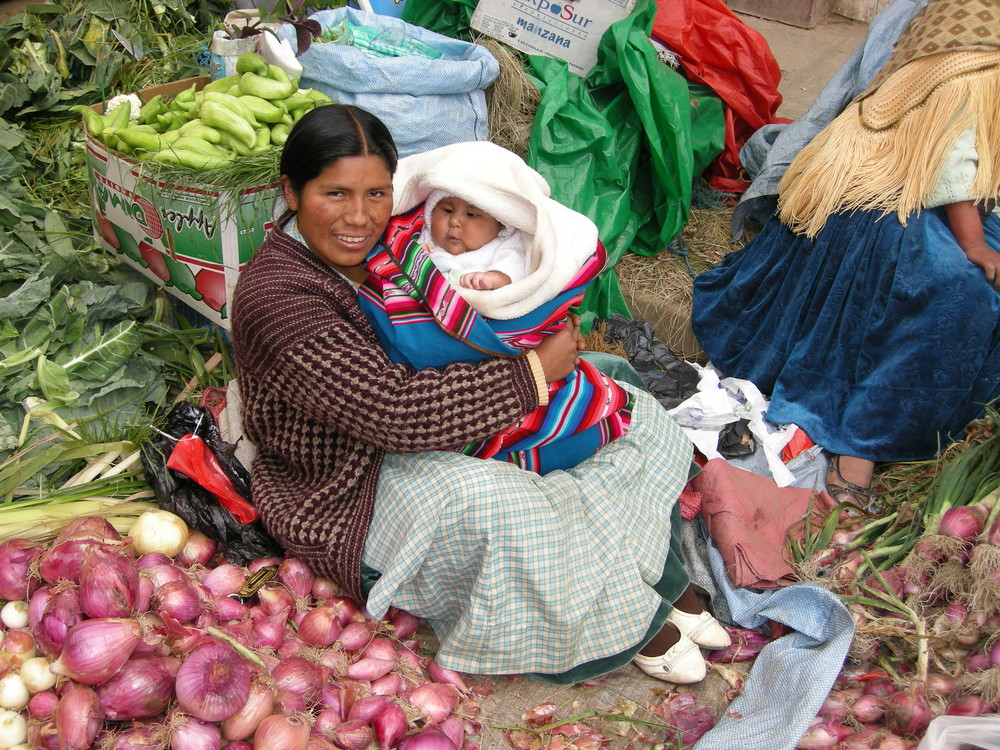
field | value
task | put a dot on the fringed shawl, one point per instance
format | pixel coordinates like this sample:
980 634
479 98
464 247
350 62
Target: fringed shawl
886 150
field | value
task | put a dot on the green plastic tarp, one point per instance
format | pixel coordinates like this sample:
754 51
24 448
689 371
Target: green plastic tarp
622 146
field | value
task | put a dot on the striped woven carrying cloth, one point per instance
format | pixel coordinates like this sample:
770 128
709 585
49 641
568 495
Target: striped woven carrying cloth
422 321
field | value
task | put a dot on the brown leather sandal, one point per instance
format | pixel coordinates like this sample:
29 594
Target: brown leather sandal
844 491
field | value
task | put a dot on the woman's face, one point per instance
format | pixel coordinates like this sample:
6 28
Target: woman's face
342 212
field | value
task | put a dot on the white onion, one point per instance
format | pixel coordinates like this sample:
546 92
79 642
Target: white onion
36 675
14 614
13 729
158 530
13 692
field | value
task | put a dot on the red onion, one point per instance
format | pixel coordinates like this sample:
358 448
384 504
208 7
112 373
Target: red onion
380 648
263 562
967 705
141 689
237 745
144 594
746 644
140 737
78 718
318 742
881 687
198 549
428 738
447 676
319 626
907 712
323 588
454 727
390 725
435 699
288 702
868 709
356 635
391 684
177 599
282 732
978 663
189 733
269 631
96 649
963 522
164 573
823 734
109 583
227 609
296 576
17 647
43 704
941 684
152 559
64 561
259 704
367 708
291 646
370 668
347 611
100 528
300 676
353 734
403 624
213 683
17 556
225 579
275 598
327 720
61 611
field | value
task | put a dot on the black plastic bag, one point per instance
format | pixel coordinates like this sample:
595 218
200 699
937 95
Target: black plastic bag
199 508
668 377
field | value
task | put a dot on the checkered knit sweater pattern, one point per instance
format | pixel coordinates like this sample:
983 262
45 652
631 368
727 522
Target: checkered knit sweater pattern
323 403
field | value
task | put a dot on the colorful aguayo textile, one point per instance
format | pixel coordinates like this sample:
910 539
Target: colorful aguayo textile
423 321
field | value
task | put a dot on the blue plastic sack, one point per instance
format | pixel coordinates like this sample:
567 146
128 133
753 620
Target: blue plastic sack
425 103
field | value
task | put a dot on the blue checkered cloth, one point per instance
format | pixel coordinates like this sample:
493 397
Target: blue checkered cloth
520 573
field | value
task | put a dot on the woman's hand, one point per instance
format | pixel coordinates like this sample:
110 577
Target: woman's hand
558 352
988 260
967 227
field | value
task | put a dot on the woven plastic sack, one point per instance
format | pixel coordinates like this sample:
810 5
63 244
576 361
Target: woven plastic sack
425 103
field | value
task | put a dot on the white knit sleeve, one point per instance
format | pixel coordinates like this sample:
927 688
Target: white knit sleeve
955 181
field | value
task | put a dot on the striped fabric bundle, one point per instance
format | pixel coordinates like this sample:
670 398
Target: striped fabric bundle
423 321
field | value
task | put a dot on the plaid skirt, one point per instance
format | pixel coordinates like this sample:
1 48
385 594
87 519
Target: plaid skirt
561 576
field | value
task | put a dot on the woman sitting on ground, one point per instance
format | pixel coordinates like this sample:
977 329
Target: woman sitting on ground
867 306
563 576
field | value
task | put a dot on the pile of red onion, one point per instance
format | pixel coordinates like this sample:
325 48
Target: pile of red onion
950 585
106 648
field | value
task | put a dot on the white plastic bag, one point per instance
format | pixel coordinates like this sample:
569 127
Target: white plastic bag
962 733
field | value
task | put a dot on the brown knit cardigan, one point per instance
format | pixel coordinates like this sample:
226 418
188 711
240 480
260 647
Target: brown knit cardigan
322 403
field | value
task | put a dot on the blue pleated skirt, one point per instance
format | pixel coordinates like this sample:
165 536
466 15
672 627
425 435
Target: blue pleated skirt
880 341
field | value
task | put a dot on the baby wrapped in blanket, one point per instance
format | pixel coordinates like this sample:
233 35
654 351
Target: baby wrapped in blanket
424 321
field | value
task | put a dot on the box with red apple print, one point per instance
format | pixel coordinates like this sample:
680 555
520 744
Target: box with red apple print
192 240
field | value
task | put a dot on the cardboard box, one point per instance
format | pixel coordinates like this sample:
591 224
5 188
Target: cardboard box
567 31
191 240
804 13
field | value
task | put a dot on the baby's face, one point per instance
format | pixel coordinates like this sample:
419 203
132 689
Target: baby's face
459 227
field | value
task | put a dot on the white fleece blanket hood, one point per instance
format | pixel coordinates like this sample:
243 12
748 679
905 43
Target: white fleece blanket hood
500 183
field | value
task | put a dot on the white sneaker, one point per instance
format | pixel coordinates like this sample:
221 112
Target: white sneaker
683 663
702 628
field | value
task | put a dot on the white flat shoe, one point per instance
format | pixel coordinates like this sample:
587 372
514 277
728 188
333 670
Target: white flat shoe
683 663
702 628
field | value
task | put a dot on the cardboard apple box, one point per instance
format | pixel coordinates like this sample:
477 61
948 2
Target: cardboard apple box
191 240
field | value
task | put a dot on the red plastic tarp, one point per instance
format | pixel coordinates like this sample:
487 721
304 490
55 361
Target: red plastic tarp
715 47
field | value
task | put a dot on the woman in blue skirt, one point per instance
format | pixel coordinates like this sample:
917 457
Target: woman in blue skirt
868 305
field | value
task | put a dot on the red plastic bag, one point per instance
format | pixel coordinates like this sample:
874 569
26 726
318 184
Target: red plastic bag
716 48
193 458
